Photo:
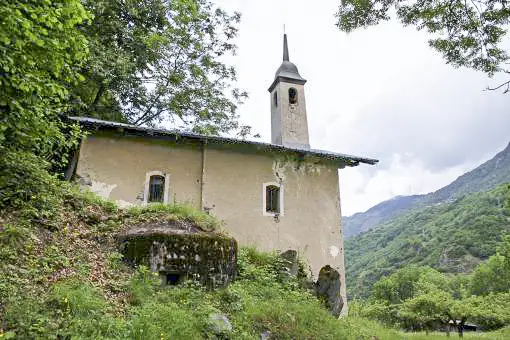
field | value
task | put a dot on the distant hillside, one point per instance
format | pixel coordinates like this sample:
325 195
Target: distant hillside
452 237
488 175
361 222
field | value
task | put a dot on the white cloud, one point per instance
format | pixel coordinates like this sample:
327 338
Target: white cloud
405 175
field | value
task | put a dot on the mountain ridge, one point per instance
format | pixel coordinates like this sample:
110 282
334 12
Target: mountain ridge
489 174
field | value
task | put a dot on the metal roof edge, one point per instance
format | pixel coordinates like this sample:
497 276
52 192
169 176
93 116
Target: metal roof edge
349 160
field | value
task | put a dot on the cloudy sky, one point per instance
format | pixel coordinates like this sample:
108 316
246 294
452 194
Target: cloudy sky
381 93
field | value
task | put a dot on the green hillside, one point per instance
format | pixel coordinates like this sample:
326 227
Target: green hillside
486 176
451 237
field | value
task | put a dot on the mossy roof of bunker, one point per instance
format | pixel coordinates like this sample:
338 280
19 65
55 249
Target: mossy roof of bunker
168 228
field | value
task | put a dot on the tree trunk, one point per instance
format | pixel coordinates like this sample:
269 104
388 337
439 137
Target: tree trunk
97 98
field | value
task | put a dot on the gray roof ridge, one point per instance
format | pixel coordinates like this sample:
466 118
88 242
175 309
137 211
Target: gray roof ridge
350 160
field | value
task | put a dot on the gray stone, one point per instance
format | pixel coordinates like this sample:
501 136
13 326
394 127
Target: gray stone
84 180
265 335
219 324
327 289
179 251
290 263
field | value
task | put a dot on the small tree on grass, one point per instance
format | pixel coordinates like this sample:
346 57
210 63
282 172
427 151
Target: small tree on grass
427 311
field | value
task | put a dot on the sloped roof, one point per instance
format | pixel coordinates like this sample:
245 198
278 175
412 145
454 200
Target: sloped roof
342 159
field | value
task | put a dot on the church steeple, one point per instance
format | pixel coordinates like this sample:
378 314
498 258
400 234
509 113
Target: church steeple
287 70
285 48
289 126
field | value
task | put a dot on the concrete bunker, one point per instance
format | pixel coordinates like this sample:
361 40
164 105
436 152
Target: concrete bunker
179 251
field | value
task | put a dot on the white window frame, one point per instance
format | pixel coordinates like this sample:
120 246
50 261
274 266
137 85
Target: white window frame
148 176
281 201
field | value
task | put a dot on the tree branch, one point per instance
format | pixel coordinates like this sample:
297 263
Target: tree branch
502 85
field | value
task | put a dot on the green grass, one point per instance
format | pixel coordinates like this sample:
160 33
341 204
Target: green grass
501 334
176 212
62 277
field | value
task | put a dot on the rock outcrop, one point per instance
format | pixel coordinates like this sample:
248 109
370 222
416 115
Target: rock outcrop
327 289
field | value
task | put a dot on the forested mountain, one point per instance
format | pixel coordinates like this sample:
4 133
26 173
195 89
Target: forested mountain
486 176
361 222
451 237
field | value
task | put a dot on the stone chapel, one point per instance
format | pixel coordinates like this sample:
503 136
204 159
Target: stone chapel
279 196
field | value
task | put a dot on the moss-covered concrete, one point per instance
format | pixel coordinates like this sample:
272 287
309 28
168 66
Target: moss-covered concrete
180 249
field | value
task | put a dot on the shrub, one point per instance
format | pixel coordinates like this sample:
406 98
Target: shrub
27 187
78 298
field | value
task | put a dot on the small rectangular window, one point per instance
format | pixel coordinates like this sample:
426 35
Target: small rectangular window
272 199
156 188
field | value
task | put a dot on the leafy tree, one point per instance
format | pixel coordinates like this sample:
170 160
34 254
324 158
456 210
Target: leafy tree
412 298
421 298
488 312
408 282
493 276
427 311
41 50
466 33
160 60
452 237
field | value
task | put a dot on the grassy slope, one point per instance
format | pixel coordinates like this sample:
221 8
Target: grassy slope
501 334
61 276
452 237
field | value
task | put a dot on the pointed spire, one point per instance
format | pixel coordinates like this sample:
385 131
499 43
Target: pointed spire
285 48
287 71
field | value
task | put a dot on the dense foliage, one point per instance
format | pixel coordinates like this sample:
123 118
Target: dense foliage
41 50
423 298
451 237
140 62
160 60
466 33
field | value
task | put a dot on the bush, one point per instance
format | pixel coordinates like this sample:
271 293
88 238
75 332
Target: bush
78 298
156 320
27 187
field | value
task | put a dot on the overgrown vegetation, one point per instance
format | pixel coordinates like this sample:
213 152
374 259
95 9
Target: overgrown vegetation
158 212
451 237
62 277
421 298
416 297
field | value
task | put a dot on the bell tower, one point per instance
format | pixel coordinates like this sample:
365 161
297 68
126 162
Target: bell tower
289 126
